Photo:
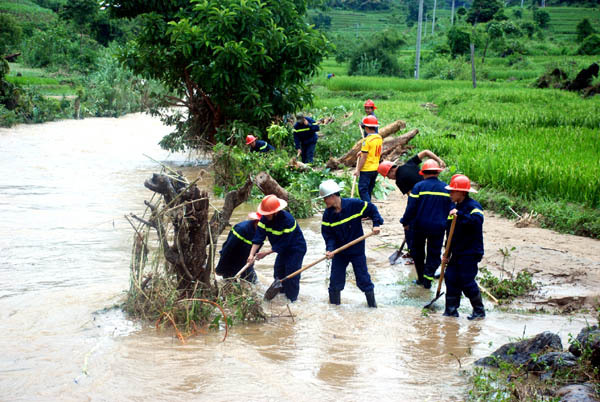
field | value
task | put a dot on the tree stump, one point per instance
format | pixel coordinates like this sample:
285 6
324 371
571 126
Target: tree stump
269 185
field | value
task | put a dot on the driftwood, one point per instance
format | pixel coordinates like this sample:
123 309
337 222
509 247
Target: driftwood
186 208
393 147
349 159
269 185
12 57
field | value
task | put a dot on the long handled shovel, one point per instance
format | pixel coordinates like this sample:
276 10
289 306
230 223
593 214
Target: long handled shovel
354 182
241 271
446 253
276 285
487 292
393 259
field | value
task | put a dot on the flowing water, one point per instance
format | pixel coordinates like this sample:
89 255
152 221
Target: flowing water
64 258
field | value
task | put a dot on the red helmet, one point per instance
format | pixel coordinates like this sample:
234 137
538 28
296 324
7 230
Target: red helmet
370 103
255 216
271 204
430 165
250 139
370 121
384 168
460 182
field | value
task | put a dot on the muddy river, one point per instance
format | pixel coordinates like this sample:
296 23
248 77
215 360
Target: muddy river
64 258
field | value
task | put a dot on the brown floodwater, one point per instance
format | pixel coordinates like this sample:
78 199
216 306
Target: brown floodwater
64 257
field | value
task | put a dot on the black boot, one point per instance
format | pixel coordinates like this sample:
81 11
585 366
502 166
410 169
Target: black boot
452 304
334 296
478 310
371 299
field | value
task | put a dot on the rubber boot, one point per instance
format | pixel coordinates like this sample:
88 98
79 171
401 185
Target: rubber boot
452 304
334 296
371 299
478 310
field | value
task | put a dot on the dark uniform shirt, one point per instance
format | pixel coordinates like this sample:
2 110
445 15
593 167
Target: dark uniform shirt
408 175
428 206
305 134
262 146
236 249
468 232
283 232
341 228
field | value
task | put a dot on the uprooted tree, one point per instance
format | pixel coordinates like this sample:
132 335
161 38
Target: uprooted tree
224 61
171 285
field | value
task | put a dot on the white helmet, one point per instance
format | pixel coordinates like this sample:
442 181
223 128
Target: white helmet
327 188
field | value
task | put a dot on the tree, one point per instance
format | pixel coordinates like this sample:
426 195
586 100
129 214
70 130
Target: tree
81 12
493 32
458 41
542 18
481 11
590 45
10 33
225 60
584 29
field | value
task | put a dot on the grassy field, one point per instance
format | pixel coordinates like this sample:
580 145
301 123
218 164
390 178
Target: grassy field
44 82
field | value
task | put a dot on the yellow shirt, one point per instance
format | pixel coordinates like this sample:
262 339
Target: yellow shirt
372 145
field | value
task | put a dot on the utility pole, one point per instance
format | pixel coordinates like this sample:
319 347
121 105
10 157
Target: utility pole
452 13
433 21
419 27
521 3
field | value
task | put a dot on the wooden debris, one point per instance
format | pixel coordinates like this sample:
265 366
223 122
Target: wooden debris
269 185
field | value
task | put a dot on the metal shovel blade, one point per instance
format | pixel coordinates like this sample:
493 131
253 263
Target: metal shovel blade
273 290
430 304
393 259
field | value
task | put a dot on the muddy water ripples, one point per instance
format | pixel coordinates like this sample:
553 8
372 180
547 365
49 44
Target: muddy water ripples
64 257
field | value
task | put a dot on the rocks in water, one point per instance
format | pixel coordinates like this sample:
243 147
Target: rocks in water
576 393
553 361
519 353
589 337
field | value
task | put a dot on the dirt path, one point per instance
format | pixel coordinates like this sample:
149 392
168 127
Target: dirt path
566 266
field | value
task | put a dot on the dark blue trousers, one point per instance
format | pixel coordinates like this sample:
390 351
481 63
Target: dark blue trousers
460 276
426 266
308 151
409 238
366 184
285 264
337 280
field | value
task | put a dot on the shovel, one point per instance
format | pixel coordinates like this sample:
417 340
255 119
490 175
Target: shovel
443 269
241 271
276 285
354 182
393 259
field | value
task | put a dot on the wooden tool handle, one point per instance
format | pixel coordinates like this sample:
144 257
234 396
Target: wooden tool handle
337 250
446 254
241 271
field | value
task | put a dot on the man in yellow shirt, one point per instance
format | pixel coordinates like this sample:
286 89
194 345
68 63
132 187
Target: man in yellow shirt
368 162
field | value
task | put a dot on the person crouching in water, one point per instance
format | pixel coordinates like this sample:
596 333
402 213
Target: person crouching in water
286 240
342 224
235 250
466 249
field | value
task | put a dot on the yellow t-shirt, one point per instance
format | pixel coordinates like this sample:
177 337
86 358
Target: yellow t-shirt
372 145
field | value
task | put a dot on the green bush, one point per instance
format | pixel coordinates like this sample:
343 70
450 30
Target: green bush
541 18
590 45
584 29
442 68
10 33
458 41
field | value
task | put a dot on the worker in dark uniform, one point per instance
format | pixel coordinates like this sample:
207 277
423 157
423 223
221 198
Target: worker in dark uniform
305 137
286 240
426 215
236 249
466 249
406 176
258 145
342 224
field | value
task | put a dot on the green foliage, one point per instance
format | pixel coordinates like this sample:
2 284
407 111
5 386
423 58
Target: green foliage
506 289
81 12
584 29
483 11
375 56
10 33
320 21
279 136
458 41
590 45
541 18
249 60
361 5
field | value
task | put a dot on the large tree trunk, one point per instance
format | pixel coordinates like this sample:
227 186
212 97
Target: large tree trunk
186 208
349 159
268 185
393 147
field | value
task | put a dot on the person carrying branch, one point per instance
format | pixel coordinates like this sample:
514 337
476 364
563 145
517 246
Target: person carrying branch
258 145
368 159
286 240
305 137
406 176
426 215
342 224
466 249
236 249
